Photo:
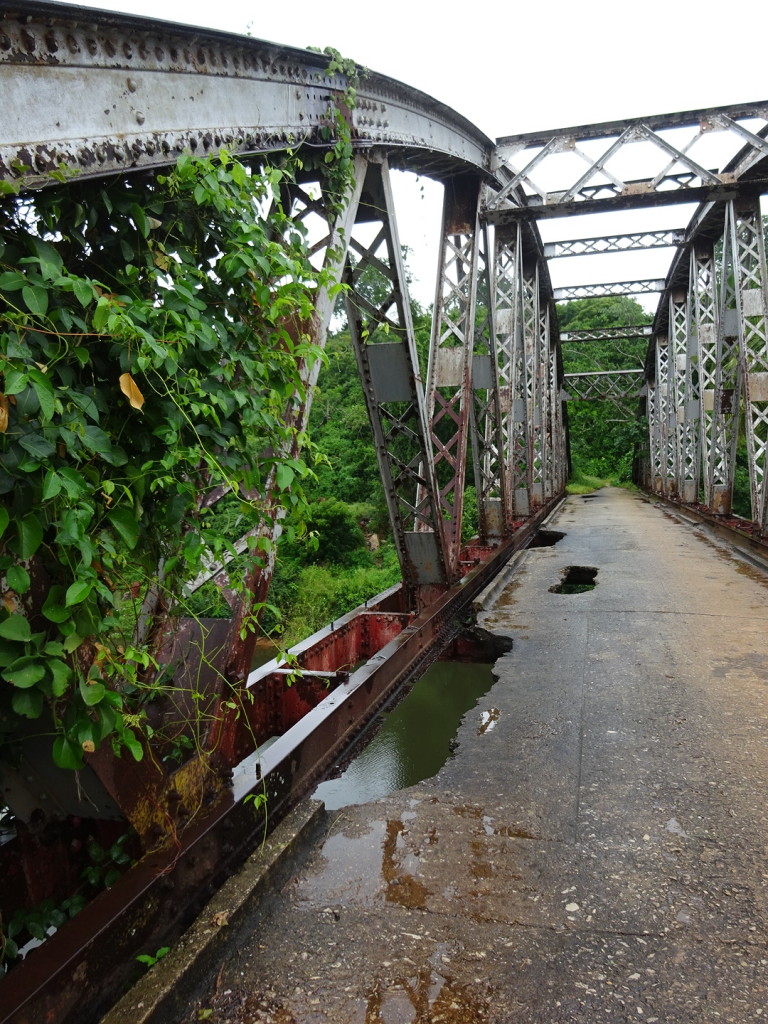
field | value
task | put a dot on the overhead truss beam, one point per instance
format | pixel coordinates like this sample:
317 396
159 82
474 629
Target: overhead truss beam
604 385
581 170
633 333
613 243
594 291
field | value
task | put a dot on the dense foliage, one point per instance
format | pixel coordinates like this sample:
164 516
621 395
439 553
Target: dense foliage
152 333
603 438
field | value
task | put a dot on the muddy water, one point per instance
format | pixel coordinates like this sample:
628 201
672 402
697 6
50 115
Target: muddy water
415 739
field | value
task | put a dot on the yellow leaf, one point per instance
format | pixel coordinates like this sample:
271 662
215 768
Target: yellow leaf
88 746
131 391
4 406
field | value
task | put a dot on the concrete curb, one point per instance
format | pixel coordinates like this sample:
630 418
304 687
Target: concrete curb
164 990
488 597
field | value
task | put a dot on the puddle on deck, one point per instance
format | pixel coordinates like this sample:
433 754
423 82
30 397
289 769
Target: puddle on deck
416 738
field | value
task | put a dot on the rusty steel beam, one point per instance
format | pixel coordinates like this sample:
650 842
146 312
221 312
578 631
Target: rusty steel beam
79 971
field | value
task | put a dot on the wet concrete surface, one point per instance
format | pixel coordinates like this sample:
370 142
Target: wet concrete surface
595 851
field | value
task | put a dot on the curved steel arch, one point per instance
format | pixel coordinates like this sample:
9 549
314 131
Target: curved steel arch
92 93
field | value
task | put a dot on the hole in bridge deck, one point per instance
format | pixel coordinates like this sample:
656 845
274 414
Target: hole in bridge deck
577 579
413 740
546 539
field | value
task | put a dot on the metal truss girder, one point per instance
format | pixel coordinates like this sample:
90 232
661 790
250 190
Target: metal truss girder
663 426
679 176
448 394
637 196
385 348
486 423
333 243
92 93
513 368
686 397
613 243
655 122
639 331
717 421
751 275
604 385
589 291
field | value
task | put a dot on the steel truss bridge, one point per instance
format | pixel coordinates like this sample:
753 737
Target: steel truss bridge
93 95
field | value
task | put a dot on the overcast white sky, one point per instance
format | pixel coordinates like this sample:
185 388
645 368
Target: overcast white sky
512 67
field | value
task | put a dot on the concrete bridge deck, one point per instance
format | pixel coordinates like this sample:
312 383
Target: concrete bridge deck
597 855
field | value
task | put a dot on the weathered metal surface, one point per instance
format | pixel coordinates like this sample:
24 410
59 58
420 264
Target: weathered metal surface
598 246
153 90
594 291
604 384
608 334
486 413
591 176
448 390
392 387
92 93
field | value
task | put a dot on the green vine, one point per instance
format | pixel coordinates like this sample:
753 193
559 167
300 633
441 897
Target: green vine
153 333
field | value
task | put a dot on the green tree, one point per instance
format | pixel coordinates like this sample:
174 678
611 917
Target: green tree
603 438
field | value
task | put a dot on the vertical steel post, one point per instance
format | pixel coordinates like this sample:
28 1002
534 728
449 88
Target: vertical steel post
678 323
752 302
450 355
687 386
703 292
559 458
726 399
486 412
382 333
332 249
667 415
509 311
532 342
545 392
655 446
